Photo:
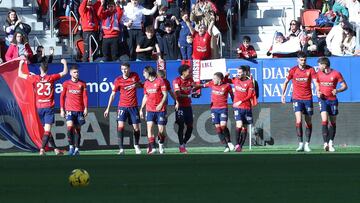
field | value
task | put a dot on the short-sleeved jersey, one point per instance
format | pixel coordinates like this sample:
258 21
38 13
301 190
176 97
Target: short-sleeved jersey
328 82
219 94
153 91
74 96
44 89
167 84
184 86
244 91
127 88
301 80
201 46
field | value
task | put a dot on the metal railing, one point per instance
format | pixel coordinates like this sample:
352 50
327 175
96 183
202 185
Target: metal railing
36 40
92 53
72 32
229 24
51 16
283 19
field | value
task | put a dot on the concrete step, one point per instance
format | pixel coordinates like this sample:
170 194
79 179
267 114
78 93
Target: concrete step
31 19
261 29
263 22
12 3
275 4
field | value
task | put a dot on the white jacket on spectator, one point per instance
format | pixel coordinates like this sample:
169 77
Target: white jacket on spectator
354 10
136 13
334 40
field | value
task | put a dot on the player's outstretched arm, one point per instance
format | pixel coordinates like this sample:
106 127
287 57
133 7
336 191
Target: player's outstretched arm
65 69
284 90
62 101
111 99
163 100
21 74
143 103
317 87
343 87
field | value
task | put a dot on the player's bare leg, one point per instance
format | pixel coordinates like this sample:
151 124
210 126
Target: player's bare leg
299 131
308 131
120 135
151 138
136 128
325 129
226 132
70 135
77 139
332 132
161 136
240 135
221 135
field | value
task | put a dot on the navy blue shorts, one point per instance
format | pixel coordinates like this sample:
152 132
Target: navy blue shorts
244 115
47 115
218 115
129 113
158 118
330 106
77 117
184 115
304 106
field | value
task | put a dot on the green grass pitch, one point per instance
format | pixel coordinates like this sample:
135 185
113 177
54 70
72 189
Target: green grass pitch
264 174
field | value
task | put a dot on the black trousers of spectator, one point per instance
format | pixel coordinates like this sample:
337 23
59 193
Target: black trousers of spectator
86 37
110 48
132 37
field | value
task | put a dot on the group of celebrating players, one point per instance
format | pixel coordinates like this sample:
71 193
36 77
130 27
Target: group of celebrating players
74 103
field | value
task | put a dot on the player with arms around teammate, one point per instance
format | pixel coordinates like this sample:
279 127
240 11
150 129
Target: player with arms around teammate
44 91
126 84
219 107
301 76
74 108
155 96
328 79
243 93
183 86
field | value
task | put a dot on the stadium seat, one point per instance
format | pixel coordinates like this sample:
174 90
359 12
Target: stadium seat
308 18
64 26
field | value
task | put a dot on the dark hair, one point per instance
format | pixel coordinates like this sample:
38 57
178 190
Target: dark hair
150 70
219 75
23 39
161 73
74 67
246 38
183 68
244 68
126 64
184 12
8 17
168 23
39 47
44 66
163 7
149 28
110 3
301 54
324 60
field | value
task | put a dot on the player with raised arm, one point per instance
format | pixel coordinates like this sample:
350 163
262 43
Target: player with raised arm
74 108
327 90
183 86
220 92
155 96
302 76
44 92
243 94
126 84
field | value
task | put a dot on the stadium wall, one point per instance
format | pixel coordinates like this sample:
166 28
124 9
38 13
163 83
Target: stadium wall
275 120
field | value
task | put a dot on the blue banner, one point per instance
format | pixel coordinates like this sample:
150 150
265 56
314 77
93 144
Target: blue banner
270 74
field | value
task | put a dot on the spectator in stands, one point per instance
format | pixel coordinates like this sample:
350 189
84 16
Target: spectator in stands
19 47
12 21
185 37
340 10
335 37
89 24
146 45
40 57
246 51
132 19
110 25
294 30
353 7
161 19
348 42
310 4
169 38
281 47
201 40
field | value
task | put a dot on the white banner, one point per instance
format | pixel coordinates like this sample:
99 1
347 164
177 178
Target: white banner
209 67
